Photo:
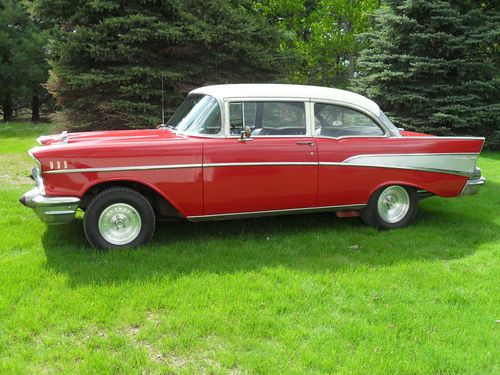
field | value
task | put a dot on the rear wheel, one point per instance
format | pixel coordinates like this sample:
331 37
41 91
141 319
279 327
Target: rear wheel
118 218
391 207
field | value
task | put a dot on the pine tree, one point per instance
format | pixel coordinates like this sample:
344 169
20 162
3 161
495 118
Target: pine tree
109 55
23 67
432 67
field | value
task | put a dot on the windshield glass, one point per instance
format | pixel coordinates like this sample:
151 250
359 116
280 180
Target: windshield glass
389 125
198 114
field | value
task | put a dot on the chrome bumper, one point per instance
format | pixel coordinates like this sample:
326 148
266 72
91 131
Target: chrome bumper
52 210
472 186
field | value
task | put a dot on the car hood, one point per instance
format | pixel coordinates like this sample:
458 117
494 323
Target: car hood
108 136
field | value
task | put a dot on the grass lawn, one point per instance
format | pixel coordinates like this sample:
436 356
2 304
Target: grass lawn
297 294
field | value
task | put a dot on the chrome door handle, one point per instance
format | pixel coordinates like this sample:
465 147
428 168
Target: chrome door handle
306 143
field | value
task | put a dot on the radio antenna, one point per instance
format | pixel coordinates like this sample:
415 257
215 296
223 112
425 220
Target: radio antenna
162 103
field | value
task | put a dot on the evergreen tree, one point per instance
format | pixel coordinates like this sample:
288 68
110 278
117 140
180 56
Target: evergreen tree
23 67
109 55
433 66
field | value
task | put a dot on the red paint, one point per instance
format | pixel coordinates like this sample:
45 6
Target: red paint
259 188
212 190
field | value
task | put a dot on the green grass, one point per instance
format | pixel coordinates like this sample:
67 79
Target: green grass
297 294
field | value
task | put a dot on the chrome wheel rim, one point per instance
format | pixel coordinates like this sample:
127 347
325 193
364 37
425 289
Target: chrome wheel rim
393 204
120 224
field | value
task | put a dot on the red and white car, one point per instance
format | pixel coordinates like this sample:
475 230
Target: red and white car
235 151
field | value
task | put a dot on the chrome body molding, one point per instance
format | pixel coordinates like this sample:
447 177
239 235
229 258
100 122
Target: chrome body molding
119 169
36 174
175 166
257 164
243 215
52 210
462 164
451 163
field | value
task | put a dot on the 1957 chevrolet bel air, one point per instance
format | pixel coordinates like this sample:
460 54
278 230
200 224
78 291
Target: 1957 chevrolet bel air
234 151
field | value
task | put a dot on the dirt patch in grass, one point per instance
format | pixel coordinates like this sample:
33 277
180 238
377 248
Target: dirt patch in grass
15 169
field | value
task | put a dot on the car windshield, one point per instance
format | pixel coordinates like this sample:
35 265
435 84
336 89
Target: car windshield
198 114
389 125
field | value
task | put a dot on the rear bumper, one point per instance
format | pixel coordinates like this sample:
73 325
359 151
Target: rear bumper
52 210
472 186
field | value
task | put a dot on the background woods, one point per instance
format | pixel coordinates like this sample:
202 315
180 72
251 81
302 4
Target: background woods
23 64
432 65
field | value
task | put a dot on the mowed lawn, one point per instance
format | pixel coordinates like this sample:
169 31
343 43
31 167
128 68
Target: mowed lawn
285 295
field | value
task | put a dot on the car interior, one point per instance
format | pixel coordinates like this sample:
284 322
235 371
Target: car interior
268 118
275 118
337 121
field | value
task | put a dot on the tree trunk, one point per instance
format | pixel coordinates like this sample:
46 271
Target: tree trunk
8 111
351 65
35 108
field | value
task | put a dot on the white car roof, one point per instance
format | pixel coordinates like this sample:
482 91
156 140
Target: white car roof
271 90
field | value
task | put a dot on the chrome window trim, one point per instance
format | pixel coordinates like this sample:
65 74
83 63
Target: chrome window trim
242 215
220 134
370 114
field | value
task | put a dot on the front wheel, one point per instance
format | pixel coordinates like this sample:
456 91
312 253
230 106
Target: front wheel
391 207
118 218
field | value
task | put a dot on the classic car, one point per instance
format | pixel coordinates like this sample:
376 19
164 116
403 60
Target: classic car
244 150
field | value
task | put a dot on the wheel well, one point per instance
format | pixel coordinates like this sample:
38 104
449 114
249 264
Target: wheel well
161 206
421 192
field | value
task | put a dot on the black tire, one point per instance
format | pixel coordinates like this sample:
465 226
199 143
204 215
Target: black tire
404 214
128 221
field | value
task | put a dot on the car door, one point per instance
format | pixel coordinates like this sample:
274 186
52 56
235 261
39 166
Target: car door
342 132
275 168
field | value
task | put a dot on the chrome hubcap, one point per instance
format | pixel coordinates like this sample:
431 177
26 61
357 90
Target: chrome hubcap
119 224
393 204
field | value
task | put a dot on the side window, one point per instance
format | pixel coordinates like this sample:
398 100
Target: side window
337 121
268 118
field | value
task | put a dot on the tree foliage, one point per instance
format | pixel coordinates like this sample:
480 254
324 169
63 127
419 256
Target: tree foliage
23 66
433 65
108 56
323 36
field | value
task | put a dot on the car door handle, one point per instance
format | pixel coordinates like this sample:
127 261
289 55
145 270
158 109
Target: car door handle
306 143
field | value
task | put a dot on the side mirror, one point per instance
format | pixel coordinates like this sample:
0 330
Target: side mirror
245 134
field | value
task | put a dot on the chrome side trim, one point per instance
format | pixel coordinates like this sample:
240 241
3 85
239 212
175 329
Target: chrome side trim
395 167
454 163
242 215
461 164
131 168
256 164
435 137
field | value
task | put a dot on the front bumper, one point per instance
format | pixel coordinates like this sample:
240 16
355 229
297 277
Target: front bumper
52 210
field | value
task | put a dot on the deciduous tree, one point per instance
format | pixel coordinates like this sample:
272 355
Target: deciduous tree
324 36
